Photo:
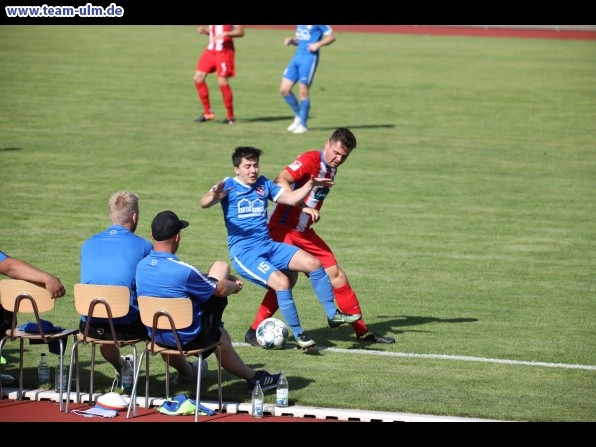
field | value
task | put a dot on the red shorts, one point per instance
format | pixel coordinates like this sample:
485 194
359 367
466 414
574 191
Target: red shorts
221 62
308 241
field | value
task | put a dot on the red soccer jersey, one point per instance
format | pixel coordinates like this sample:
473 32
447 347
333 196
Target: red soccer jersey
227 43
308 164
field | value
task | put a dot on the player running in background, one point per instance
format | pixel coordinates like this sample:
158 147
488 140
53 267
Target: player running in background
255 256
301 69
291 225
219 57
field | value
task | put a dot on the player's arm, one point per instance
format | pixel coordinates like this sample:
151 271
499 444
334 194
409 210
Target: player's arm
214 195
328 39
203 29
226 287
291 40
18 269
235 32
298 195
285 180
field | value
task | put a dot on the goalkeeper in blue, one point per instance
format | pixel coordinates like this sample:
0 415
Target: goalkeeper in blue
255 256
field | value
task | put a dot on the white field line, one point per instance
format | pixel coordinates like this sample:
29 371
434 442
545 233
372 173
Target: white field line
450 357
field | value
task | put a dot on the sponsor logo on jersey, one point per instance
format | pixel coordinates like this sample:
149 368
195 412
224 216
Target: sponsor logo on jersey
246 208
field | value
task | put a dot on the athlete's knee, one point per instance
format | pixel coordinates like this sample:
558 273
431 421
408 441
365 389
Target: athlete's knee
314 264
219 270
278 281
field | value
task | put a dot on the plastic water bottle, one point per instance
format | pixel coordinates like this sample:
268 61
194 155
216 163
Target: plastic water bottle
127 376
282 394
258 400
43 372
64 385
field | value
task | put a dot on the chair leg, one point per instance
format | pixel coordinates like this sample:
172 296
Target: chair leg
60 378
219 390
167 376
133 394
21 355
74 362
1 346
198 391
146 380
92 373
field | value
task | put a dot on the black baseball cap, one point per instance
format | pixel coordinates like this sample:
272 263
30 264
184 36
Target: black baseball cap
166 225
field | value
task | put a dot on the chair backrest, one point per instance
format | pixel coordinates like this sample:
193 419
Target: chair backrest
24 296
99 301
171 314
179 309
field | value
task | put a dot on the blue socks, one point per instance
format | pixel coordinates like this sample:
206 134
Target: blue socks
287 306
293 103
322 287
304 110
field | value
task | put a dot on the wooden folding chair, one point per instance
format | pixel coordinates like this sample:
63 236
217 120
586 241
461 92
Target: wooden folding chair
170 314
99 301
23 297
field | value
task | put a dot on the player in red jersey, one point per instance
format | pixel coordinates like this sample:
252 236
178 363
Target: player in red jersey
290 225
218 57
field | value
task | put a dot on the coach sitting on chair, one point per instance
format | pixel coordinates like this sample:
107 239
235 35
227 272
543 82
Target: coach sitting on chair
163 274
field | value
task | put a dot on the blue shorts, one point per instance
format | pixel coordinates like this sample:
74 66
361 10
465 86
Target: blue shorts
256 264
302 68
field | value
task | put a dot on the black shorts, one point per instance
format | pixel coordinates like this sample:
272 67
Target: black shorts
123 331
210 325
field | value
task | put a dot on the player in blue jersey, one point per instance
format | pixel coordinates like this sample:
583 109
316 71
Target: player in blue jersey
255 256
163 274
301 69
110 258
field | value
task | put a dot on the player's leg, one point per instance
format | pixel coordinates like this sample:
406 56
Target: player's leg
205 65
289 78
225 70
260 271
345 297
306 72
303 261
267 309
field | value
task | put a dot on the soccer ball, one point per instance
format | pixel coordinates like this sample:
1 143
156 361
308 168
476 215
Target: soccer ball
272 333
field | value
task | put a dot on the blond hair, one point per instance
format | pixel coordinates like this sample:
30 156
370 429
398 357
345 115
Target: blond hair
122 205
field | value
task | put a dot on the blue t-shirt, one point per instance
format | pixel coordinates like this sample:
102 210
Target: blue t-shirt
110 258
163 275
245 212
307 34
3 256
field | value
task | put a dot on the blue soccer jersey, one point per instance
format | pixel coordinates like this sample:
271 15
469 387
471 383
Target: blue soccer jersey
3 256
111 258
307 34
252 251
163 275
245 212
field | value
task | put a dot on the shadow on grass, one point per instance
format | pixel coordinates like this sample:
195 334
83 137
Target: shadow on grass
390 327
268 119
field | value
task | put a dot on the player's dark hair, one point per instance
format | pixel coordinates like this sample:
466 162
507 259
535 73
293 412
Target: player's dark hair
248 152
345 137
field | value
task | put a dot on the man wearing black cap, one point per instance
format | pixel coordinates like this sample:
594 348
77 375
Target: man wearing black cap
163 274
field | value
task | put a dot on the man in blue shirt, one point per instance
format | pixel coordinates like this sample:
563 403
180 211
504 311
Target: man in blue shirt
163 274
110 258
301 69
256 257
